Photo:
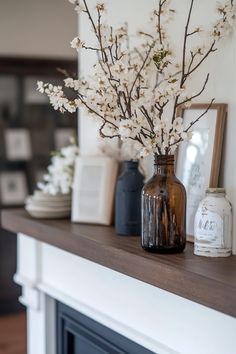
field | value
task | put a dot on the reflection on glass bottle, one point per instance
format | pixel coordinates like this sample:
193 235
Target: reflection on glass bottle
164 209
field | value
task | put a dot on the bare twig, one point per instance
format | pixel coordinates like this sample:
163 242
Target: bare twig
90 17
182 80
210 50
90 48
104 135
96 113
197 94
145 113
185 42
193 32
161 3
192 123
141 68
201 115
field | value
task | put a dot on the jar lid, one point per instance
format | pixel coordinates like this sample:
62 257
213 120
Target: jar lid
215 190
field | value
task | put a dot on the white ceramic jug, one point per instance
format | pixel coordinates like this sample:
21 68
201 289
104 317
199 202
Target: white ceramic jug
213 225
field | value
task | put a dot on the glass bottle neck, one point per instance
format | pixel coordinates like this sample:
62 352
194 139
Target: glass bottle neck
164 165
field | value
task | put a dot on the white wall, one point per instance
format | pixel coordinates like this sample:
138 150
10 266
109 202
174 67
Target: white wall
37 28
221 66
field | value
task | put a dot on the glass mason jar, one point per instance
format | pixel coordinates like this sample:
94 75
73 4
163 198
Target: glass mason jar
164 209
213 225
128 200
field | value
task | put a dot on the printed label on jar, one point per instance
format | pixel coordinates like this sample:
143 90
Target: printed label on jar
209 228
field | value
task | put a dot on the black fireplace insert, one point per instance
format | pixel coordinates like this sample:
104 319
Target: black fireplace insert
79 334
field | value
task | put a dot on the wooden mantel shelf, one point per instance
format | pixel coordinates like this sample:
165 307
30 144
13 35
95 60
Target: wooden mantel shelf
210 282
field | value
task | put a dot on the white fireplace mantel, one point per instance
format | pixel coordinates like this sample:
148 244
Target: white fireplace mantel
168 304
156 319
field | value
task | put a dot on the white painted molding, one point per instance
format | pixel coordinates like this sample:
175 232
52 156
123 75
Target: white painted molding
22 280
108 321
30 298
41 327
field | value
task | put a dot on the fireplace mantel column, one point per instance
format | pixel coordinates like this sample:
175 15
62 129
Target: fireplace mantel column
41 331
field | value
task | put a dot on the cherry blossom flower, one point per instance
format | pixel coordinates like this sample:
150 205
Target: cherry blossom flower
77 44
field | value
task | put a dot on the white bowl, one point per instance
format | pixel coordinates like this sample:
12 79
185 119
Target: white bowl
48 203
46 213
40 196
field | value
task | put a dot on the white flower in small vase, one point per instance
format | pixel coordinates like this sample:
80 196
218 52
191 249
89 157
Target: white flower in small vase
60 174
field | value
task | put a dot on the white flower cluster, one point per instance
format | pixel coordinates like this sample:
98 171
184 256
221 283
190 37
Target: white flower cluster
135 93
60 174
57 97
77 44
224 26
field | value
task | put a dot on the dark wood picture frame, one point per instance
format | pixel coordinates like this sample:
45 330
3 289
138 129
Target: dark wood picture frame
218 138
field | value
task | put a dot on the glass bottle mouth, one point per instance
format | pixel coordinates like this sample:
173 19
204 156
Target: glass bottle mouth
164 160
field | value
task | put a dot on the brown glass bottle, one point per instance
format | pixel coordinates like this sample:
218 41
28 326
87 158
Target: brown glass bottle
164 209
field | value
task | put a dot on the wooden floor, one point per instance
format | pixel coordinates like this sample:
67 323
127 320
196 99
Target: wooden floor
13 334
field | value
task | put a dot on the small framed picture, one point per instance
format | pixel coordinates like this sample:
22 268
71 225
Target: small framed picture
94 189
198 161
62 137
13 188
18 144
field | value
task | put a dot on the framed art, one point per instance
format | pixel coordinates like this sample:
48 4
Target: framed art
18 144
94 189
62 137
13 188
198 161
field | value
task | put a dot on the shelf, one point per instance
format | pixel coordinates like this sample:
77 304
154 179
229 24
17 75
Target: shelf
207 281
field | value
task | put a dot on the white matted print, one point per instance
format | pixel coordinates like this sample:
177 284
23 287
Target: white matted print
198 161
62 137
18 144
94 189
13 188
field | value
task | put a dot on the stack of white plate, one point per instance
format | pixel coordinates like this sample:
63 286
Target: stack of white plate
47 206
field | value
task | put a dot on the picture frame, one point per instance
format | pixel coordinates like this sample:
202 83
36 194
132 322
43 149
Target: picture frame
13 188
94 190
18 144
198 161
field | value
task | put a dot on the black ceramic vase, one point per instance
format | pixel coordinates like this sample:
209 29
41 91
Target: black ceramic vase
128 200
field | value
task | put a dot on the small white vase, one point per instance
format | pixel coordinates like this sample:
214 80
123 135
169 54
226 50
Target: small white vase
213 225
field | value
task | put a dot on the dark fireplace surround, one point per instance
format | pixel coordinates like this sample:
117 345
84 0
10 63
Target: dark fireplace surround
79 334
